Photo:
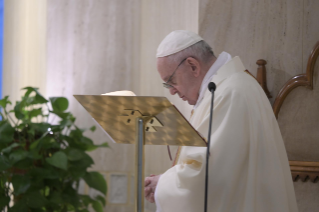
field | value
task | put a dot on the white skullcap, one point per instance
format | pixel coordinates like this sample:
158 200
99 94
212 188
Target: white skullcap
177 41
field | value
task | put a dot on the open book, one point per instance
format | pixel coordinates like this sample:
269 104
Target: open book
120 93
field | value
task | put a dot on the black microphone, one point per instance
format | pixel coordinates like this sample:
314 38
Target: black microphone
211 88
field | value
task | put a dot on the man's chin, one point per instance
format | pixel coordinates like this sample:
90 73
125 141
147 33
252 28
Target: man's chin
190 102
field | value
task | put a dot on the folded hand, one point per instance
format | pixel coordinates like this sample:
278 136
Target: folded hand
150 186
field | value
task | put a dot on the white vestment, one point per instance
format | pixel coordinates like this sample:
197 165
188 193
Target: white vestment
248 165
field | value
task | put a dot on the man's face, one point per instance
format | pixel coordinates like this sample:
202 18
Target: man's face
184 81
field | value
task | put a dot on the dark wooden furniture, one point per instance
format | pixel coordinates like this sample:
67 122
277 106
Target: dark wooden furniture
303 170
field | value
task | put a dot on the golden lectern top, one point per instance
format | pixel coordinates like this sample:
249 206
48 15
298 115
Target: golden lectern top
164 124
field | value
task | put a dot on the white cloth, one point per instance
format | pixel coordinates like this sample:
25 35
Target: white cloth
221 60
248 167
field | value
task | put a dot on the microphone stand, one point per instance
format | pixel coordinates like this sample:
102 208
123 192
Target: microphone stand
211 88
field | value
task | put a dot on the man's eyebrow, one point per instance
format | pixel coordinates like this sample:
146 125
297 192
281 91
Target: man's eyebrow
166 78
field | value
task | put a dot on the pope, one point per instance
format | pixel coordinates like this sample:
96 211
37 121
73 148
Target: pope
248 164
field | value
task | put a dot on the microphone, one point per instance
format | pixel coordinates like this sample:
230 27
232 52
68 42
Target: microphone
211 88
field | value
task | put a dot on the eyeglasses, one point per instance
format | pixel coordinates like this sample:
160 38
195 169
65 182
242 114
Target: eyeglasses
166 84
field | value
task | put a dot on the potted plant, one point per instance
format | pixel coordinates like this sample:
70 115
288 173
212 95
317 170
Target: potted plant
44 162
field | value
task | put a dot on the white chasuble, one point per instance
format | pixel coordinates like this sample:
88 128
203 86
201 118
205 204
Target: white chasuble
248 164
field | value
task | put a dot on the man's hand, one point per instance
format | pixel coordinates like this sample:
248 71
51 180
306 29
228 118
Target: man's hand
150 186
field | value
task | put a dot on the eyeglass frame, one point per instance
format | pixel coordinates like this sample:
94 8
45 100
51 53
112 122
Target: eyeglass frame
165 84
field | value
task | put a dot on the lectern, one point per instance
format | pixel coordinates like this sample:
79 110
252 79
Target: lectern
141 121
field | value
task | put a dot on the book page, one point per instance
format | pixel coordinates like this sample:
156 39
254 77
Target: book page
120 93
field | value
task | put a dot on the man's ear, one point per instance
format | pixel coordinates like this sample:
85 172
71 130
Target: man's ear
195 66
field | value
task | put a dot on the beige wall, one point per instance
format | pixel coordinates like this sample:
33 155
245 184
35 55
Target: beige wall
283 33
24 50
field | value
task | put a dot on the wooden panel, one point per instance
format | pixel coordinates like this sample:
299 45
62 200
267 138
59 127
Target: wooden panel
305 79
303 170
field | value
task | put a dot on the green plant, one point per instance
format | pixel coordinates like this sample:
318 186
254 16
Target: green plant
43 161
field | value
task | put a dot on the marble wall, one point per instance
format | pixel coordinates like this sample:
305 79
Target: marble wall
283 33
93 48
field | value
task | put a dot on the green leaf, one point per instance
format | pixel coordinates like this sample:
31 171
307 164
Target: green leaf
53 183
105 144
24 164
45 142
101 199
4 201
34 144
93 128
9 148
59 104
94 147
86 199
4 102
65 123
18 110
35 112
18 155
75 154
78 168
35 154
71 196
46 191
85 162
36 200
20 184
4 163
97 206
6 132
70 207
56 128
38 98
31 132
85 142
44 173
96 181
62 115
48 142
56 198
29 90
80 141
40 128
59 160
76 133
20 206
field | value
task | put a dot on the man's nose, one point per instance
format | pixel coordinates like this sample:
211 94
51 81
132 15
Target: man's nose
173 91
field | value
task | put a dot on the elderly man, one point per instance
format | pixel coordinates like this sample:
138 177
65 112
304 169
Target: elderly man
248 167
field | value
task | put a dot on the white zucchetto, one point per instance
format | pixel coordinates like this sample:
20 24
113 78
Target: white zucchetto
177 41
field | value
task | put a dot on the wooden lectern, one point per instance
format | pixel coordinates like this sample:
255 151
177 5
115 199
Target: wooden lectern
141 120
